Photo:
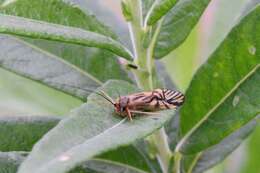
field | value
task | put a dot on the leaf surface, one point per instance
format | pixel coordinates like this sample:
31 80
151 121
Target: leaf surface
97 65
42 30
20 133
106 166
177 25
252 152
10 161
224 93
217 153
36 64
146 5
90 130
160 8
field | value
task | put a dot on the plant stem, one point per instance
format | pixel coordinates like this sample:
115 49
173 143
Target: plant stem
164 153
144 76
177 162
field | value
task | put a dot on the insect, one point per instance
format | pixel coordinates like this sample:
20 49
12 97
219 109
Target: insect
145 102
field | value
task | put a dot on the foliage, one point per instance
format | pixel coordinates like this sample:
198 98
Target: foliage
56 44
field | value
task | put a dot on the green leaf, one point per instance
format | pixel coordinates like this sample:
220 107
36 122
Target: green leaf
106 166
31 62
53 11
177 25
99 65
22 96
20 133
42 30
146 5
109 16
90 130
159 9
215 154
252 152
135 156
224 94
126 11
10 161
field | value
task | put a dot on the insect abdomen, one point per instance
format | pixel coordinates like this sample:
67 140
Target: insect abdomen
158 99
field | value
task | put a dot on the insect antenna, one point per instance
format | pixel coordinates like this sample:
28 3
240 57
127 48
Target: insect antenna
105 96
100 92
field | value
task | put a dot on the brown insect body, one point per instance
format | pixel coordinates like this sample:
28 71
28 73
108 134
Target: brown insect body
156 100
143 102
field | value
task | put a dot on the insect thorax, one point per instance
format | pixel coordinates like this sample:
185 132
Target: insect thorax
123 102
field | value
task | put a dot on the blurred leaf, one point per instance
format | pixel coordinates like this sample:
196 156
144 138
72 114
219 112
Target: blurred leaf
250 5
160 8
229 106
163 77
133 156
20 133
219 152
10 161
91 129
180 62
251 163
146 5
36 64
105 166
173 131
22 96
108 12
178 24
126 11
42 30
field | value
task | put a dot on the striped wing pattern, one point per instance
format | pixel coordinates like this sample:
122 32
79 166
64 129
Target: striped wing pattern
175 98
158 99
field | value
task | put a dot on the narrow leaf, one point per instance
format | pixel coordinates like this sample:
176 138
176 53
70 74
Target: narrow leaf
252 155
20 133
135 156
224 93
98 65
146 6
42 30
160 8
106 166
31 62
219 152
10 161
178 24
92 129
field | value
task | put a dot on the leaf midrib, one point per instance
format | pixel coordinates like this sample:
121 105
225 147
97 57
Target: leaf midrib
50 55
60 59
185 138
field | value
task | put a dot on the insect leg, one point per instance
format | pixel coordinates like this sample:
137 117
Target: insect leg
147 113
129 115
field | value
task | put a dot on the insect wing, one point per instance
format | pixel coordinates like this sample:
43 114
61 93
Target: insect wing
174 98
